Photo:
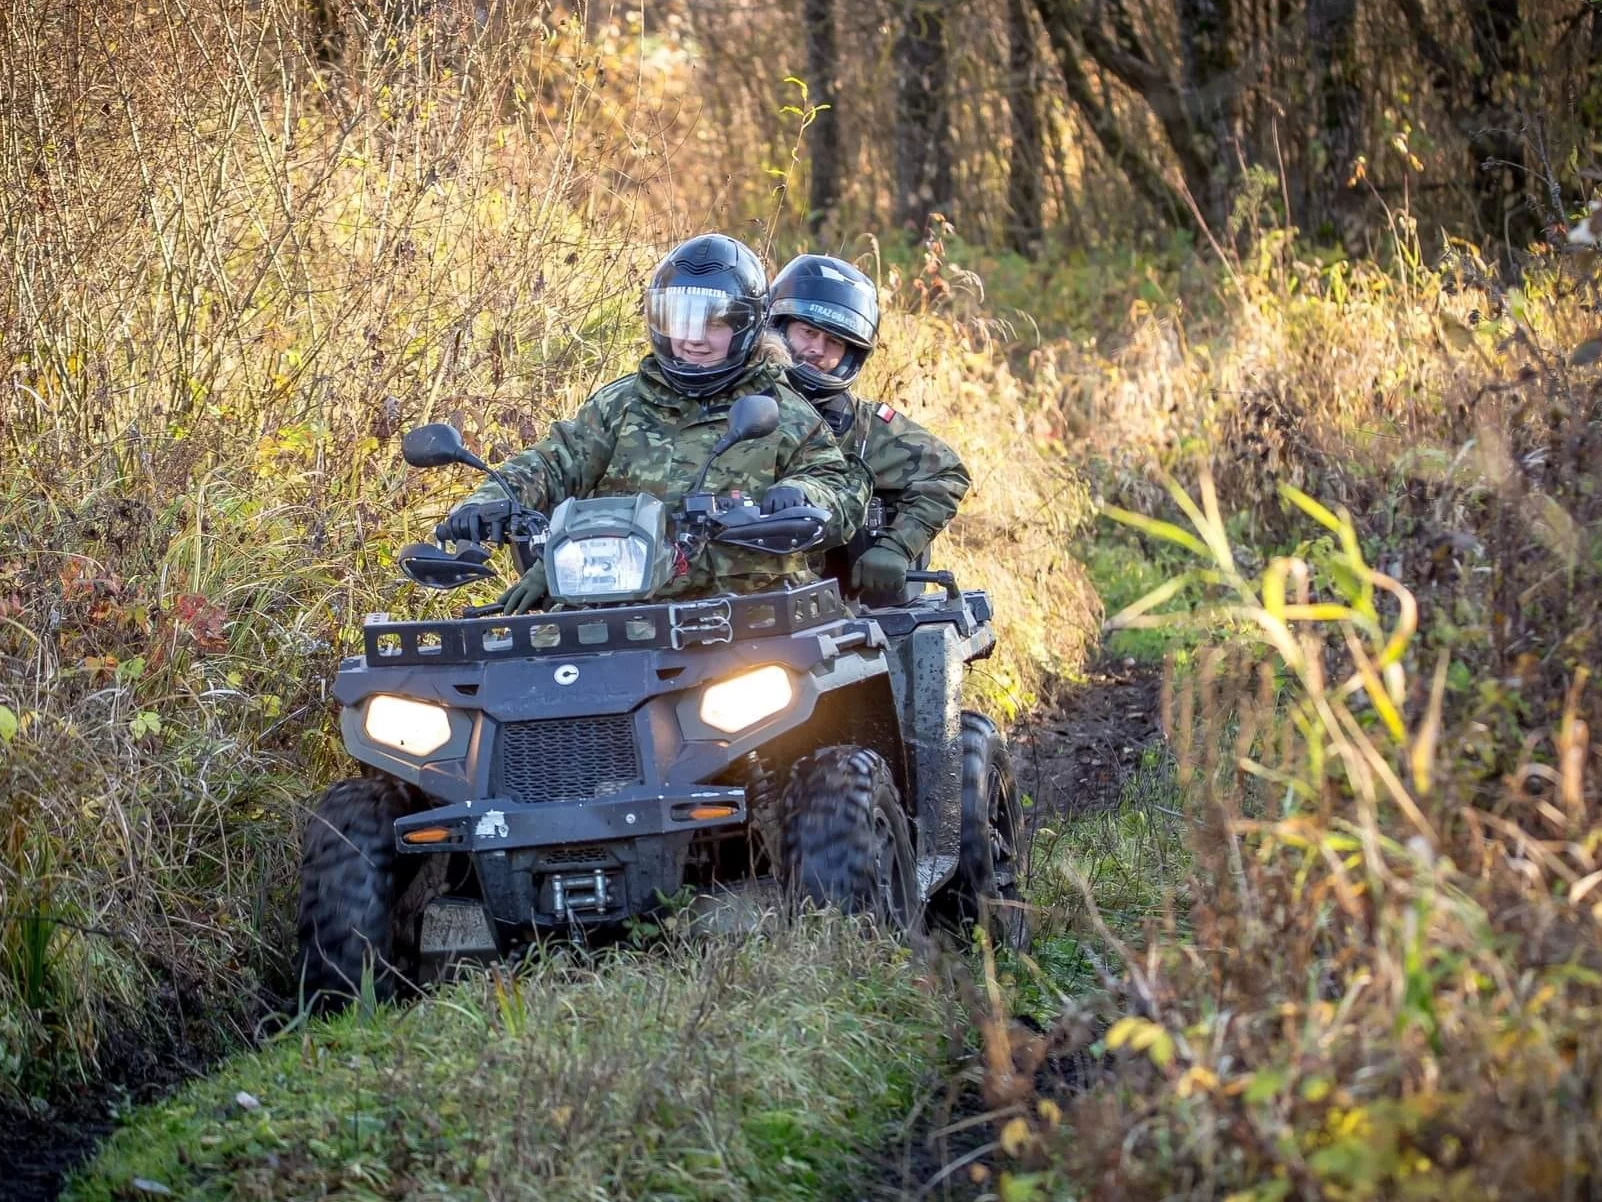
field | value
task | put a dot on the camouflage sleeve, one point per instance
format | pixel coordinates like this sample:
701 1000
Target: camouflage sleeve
908 460
820 470
569 460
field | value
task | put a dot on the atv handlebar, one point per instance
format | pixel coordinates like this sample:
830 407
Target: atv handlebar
946 580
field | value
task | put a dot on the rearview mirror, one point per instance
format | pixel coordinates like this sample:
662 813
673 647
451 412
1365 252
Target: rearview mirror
755 415
435 445
431 567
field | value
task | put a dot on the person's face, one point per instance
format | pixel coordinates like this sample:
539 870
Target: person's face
813 346
710 348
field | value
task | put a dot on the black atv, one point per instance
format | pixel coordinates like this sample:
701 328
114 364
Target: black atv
560 771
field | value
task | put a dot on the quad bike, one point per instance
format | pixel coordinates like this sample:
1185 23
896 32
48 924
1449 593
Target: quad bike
560 771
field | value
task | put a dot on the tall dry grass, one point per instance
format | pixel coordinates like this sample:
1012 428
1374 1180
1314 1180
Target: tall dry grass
1378 974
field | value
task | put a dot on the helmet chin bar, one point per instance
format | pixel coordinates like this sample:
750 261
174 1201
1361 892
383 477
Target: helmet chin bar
694 380
813 382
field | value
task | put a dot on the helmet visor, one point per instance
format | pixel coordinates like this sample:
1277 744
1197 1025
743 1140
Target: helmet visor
684 314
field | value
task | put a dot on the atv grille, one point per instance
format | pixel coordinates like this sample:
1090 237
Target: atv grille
573 855
569 759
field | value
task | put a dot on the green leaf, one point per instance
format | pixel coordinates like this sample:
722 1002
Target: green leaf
8 725
1158 528
1022 1187
145 722
1310 507
1163 592
1266 1083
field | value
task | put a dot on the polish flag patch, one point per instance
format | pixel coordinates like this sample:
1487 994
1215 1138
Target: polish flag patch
885 413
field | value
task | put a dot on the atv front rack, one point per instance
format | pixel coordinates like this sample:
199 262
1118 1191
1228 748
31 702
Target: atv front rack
668 625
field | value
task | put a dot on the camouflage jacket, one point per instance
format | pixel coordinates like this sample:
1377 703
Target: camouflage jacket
637 435
920 478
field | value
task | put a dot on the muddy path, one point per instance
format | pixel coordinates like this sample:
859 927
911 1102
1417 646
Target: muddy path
43 1140
1077 756
1074 757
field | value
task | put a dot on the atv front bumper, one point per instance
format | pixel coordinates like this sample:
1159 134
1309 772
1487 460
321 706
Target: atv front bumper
564 864
497 825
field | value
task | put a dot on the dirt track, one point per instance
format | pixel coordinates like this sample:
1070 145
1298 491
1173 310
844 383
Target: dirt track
1074 759
1077 757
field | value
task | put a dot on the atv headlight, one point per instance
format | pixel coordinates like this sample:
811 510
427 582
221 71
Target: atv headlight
585 566
733 705
415 727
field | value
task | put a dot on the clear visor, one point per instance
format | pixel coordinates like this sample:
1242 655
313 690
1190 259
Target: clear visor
684 314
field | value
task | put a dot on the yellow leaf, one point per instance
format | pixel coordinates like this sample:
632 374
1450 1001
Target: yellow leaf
1120 1032
1162 1049
1195 1078
561 1114
1015 1136
1049 1111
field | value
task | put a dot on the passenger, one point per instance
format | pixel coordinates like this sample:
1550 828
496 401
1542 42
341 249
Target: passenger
828 312
706 309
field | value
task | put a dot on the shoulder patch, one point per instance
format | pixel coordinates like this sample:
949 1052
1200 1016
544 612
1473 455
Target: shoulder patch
884 413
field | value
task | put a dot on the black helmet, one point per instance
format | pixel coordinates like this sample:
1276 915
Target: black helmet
835 297
709 279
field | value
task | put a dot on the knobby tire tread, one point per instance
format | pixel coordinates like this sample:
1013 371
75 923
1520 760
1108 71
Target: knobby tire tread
350 882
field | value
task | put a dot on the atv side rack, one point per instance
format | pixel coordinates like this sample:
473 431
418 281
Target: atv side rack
667 626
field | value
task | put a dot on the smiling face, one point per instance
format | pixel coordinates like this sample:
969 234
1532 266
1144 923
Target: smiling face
813 346
710 348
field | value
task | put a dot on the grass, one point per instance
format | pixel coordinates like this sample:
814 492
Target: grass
726 1070
1376 973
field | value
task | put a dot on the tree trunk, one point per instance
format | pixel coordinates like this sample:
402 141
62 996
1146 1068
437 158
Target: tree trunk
923 131
1212 92
327 30
1496 142
1337 116
1026 160
1062 28
823 135
1073 35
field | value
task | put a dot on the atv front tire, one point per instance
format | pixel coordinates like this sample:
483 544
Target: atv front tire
846 841
990 862
351 882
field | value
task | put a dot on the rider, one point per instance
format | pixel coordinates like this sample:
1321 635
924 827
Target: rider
828 312
651 431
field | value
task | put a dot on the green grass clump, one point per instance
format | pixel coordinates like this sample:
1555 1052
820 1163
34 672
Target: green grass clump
718 1070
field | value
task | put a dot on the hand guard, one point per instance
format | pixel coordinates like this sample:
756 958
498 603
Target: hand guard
467 524
528 592
880 574
783 496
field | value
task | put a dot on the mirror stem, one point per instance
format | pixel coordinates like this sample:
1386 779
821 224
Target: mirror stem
517 505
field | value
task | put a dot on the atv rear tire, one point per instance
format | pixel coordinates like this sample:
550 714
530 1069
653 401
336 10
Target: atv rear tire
846 840
351 881
990 862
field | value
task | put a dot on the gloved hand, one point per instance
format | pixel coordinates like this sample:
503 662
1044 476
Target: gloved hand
465 524
783 496
528 592
880 574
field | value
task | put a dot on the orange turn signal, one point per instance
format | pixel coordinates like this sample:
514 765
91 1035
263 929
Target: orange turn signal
427 834
702 813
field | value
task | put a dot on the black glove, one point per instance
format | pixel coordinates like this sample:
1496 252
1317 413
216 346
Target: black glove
528 592
880 574
783 496
467 524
